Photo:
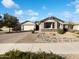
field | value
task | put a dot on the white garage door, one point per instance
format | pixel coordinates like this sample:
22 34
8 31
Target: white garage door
26 28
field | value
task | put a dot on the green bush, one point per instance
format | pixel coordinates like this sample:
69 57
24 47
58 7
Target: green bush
33 31
61 31
30 55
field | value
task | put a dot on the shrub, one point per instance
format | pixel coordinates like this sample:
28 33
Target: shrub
33 31
61 31
30 55
4 57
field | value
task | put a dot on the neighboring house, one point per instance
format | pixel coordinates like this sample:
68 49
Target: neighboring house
76 27
51 23
27 26
5 29
72 26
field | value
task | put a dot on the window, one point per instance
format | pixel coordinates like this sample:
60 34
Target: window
47 25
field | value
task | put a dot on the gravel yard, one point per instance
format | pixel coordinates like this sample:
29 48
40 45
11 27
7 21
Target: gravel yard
55 37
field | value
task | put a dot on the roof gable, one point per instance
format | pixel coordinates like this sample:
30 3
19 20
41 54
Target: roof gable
26 22
52 18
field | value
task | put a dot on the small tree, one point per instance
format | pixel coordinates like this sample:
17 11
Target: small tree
17 28
0 16
1 22
10 21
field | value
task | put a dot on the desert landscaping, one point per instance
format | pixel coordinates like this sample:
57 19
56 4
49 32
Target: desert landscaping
38 37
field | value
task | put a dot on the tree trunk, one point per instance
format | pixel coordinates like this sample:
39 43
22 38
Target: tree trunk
9 30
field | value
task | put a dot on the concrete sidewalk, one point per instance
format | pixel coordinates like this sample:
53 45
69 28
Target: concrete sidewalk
57 48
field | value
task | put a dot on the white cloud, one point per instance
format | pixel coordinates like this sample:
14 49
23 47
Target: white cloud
74 4
31 13
10 4
67 14
77 8
27 15
75 14
33 18
19 13
76 1
1 15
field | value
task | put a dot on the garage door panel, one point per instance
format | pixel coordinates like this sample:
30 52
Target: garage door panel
28 27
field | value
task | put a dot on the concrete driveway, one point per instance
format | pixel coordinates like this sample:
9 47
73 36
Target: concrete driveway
14 37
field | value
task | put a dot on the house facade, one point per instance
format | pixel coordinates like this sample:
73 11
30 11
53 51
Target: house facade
51 23
27 26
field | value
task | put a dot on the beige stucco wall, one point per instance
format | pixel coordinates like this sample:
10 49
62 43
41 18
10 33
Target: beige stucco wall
41 26
76 27
61 25
27 26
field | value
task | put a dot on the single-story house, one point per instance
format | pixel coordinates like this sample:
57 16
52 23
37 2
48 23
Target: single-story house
72 26
54 23
6 29
51 23
27 26
76 27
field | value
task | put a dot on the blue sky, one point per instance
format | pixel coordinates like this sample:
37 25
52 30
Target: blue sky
35 10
